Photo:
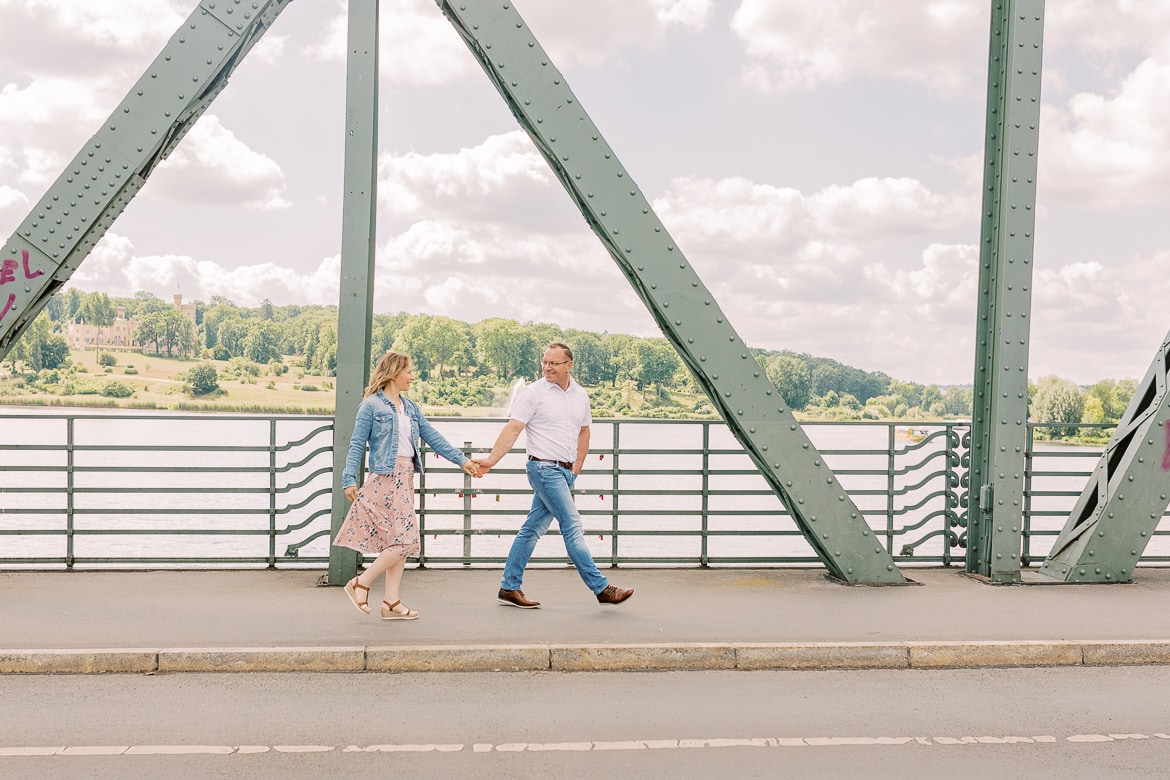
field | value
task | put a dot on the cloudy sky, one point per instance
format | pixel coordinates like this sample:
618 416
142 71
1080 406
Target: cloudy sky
819 163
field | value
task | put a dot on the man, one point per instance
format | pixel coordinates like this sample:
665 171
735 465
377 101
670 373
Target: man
555 412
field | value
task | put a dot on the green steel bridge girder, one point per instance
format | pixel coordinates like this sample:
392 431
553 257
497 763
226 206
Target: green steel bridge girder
98 184
355 314
1116 514
620 215
999 424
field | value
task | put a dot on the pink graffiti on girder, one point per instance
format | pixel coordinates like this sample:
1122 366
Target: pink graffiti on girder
8 274
1166 454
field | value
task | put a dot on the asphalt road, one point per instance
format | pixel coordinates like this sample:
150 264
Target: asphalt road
1065 722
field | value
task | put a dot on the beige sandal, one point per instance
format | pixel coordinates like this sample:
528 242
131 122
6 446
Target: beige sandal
351 591
389 613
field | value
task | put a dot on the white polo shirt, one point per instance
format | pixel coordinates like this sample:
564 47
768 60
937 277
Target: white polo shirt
553 418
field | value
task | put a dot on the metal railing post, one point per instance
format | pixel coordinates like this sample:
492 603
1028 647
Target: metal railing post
272 493
69 421
466 509
891 444
614 530
704 560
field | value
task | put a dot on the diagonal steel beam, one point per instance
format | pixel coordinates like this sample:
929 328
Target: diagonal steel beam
683 307
1000 409
94 189
1127 493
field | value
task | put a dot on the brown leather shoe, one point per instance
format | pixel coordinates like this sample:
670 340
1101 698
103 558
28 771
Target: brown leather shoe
515 598
614 595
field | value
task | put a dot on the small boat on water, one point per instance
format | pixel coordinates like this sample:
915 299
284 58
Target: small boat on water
913 434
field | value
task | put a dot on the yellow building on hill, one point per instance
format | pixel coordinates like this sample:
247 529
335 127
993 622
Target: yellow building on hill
120 335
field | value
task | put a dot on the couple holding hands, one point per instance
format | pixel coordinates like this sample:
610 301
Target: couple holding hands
381 521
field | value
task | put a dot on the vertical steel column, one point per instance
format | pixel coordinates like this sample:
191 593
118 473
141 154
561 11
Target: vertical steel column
355 310
1000 404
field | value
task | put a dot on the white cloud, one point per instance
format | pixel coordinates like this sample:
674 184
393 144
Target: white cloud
115 268
1130 25
942 290
42 126
211 165
688 13
98 35
711 213
14 208
793 44
469 181
417 45
1110 152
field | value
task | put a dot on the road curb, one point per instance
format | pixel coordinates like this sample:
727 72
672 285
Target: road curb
699 656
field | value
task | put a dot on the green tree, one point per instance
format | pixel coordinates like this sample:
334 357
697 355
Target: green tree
1094 411
145 303
1114 397
1057 401
39 348
56 307
908 393
590 357
168 329
656 362
500 345
445 341
201 379
262 342
958 401
231 333
325 351
98 310
792 379
73 299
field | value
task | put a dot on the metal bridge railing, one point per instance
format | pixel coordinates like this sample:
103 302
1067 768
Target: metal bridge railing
108 490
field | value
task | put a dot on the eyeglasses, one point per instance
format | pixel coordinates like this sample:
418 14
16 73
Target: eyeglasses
547 363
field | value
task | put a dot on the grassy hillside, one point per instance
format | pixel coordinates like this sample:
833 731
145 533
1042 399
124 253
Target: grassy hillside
157 383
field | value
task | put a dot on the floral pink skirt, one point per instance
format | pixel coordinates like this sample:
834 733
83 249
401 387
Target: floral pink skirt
382 517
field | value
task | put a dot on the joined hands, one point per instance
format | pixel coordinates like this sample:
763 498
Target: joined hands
477 468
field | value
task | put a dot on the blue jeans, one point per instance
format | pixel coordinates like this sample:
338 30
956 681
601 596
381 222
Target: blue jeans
553 497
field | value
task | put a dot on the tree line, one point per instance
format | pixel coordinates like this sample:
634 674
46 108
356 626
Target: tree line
462 361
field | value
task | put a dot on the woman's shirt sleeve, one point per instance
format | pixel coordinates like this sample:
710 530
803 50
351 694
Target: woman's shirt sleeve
439 444
357 444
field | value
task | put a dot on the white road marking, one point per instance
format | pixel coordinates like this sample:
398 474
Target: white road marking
544 747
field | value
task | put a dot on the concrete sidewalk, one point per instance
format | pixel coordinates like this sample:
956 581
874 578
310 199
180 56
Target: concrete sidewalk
170 621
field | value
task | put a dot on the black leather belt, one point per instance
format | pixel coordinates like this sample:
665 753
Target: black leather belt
562 463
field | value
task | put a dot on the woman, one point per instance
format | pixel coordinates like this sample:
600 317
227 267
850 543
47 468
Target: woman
381 519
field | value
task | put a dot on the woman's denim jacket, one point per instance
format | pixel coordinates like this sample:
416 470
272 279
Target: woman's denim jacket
377 425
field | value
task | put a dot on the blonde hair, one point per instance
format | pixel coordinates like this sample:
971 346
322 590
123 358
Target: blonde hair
389 366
